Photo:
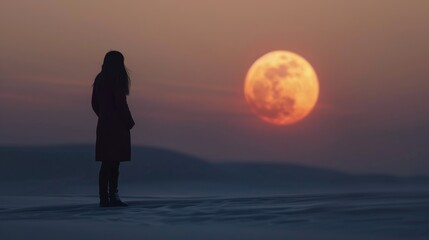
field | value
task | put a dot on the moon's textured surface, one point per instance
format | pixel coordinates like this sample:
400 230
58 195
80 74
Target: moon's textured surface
281 87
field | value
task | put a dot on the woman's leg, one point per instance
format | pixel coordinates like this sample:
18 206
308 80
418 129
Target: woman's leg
113 187
113 179
103 180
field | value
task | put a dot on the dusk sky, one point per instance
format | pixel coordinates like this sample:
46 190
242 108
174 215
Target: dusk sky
188 60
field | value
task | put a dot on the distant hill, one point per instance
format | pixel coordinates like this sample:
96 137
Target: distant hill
155 165
78 161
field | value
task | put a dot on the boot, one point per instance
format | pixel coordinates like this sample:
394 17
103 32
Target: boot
115 201
104 201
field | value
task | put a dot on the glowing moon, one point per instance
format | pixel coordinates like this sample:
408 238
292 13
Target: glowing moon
281 87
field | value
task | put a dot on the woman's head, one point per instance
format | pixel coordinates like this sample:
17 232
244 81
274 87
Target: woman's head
114 71
113 61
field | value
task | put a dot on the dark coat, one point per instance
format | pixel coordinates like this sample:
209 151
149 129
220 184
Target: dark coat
113 141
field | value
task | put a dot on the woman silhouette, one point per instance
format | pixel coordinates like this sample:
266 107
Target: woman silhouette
113 140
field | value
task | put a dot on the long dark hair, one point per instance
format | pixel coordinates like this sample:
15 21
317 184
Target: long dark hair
113 72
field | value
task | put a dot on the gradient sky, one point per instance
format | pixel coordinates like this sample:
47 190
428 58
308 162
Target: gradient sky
188 60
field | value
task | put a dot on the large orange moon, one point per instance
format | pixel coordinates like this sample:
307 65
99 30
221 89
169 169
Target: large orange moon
281 87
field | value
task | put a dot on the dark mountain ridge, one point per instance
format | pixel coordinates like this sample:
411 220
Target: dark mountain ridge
153 164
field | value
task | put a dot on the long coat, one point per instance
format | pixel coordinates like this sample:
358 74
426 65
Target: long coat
113 139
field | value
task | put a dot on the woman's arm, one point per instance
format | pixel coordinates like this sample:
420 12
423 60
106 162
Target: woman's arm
94 101
122 106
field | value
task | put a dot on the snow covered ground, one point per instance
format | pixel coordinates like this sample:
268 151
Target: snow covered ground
358 215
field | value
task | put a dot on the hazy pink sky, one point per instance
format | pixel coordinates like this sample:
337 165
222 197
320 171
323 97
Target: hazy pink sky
188 60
